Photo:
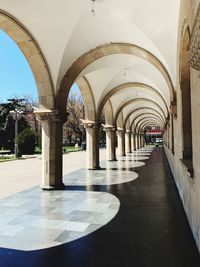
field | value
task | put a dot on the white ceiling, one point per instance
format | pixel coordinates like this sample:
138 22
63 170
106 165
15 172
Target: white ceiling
66 29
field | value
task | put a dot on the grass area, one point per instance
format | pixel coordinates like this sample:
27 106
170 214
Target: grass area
7 158
38 150
66 149
69 149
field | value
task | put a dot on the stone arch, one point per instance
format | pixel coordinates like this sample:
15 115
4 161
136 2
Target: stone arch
185 87
142 108
150 115
126 85
88 98
132 101
101 51
108 111
32 52
137 125
145 125
145 120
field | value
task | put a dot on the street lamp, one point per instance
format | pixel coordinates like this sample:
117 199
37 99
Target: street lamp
16 114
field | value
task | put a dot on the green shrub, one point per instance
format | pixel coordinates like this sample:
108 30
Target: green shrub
26 141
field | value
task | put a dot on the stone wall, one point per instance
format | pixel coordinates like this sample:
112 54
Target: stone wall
188 185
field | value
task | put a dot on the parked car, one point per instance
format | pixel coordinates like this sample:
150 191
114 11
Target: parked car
159 141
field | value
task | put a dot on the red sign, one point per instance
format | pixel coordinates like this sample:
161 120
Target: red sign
153 131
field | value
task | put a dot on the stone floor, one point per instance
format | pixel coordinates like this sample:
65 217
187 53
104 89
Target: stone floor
24 174
138 221
33 219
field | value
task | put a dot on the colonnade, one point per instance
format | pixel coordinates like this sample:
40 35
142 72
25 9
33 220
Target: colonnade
127 141
52 146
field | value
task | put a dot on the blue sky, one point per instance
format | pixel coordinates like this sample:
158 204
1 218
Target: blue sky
16 78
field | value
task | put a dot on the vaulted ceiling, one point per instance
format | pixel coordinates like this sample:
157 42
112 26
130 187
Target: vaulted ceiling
127 50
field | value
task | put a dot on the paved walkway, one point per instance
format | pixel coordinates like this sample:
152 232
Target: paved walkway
141 221
19 175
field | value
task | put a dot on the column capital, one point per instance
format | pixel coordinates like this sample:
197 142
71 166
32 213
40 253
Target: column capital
121 130
89 124
128 131
108 128
47 115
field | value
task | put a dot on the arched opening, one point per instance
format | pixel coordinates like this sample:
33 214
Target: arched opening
81 119
51 172
153 133
143 110
34 56
18 93
131 86
145 100
101 51
20 131
74 72
73 130
185 88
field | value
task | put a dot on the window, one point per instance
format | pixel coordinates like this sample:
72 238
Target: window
186 102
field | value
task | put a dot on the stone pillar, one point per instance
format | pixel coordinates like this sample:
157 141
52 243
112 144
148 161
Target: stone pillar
141 140
138 138
110 142
136 141
52 130
168 139
172 133
128 141
132 142
92 141
121 142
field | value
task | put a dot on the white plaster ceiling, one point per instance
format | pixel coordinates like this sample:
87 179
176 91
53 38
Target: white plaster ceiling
115 70
141 104
141 119
122 97
142 112
66 29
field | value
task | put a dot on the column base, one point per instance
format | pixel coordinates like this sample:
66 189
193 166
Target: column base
51 187
96 168
111 160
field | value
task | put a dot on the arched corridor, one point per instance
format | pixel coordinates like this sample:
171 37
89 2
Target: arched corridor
127 214
136 64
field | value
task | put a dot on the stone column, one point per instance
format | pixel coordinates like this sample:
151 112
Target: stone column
172 133
141 140
132 142
128 141
138 140
110 142
92 141
52 130
121 142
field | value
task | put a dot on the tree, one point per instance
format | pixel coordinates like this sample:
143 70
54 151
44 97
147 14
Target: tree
73 126
7 124
26 141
